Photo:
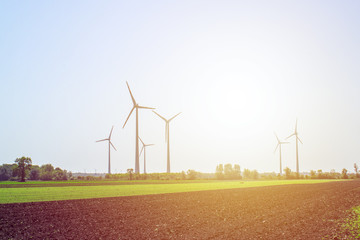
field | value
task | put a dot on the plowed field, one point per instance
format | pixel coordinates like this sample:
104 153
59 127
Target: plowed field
276 212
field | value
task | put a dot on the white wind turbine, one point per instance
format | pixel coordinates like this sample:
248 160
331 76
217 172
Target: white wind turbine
144 148
136 106
279 145
110 143
297 151
167 137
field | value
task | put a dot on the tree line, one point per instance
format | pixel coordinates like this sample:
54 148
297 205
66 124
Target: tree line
229 172
233 172
23 169
188 175
319 174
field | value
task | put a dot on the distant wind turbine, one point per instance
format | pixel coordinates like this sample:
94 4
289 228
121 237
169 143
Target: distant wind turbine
167 137
279 145
297 152
144 148
135 106
110 143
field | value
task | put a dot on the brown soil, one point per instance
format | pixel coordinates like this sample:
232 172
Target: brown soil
278 212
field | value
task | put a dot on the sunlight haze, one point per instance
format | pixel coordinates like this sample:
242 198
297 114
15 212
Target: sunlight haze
237 70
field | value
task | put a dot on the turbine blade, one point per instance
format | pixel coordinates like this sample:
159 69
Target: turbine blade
102 140
111 132
149 145
141 141
284 142
174 116
277 137
112 145
290 136
276 147
160 116
141 151
145 107
129 116
299 139
296 125
132 97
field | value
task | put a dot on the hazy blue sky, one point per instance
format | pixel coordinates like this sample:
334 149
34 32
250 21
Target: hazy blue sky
237 70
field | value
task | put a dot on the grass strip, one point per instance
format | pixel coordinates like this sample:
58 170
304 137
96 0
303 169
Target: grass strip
35 194
9 184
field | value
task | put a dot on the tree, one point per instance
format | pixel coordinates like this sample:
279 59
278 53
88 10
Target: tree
247 173
312 174
344 174
333 173
4 174
237 171
254 174
60 174
287 171
219 171
191 174
356 170
34 173
183 175
228 171
46 172
70 176
24 164
319 174
6 171
130 171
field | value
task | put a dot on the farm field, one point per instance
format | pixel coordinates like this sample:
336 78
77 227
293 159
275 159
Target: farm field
289 211
11 192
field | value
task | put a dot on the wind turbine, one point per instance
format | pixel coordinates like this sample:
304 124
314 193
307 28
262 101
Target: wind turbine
135 106
144 148
279 145
297 152
167 137
110 143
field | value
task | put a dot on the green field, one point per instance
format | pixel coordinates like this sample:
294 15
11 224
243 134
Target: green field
11 192
12 184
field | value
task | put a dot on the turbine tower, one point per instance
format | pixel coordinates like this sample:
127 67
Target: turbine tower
279 145
135 106
144 148
110 143
297 152
167 137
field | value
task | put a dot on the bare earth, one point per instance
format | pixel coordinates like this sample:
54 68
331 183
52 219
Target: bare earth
277 212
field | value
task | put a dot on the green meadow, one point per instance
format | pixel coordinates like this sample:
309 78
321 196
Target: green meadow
11 192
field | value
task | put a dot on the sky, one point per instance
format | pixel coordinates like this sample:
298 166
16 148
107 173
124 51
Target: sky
237 70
